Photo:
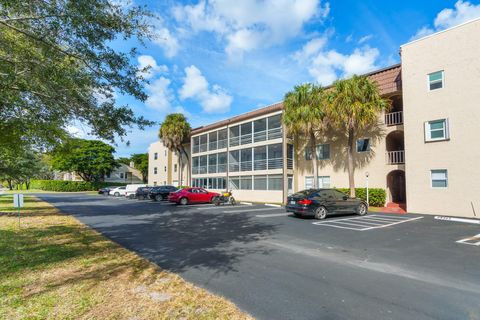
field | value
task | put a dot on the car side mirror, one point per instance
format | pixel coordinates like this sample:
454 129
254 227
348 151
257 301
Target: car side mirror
345 197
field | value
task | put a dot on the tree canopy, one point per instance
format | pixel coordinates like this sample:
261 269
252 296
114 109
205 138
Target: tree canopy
355 104
304 114
58 65
140 161
90 159
174 132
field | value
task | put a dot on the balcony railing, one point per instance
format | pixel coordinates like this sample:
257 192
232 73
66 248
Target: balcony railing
395 157
212 168
203 147
275 133
276 163
394 118
260 164
222 168
212 145
202 169
222 143
289 163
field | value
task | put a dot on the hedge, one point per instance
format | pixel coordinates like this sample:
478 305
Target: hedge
70 186
376 196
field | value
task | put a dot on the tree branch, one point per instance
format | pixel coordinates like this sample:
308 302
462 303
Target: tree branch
31 18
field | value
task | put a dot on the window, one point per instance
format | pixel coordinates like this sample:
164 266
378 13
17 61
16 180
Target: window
275 182
260 158
196 144
222 138
154 172
289 156
439 178
260 130
308 153
212 140
234 136
155 156
308 182
222 162
435 80
165 168
324 182
260 182
212 163
246 131
233 160
195 165
246 159
203 143
154 183
175 167
275 127
436 130
234 183
203 164
363 145
323 151
246 183
121 175
275 156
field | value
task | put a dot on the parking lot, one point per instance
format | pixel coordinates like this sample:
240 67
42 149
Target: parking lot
276 266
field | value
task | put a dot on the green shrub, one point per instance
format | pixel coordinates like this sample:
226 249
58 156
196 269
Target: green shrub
376 196
70 186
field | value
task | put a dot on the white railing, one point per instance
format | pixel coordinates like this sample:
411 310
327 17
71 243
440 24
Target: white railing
260 136
234 167
275 163
222 168
246 166
246 138
260 164
203 147
234 141
202 169
275 133
394 118
212 168
289 163
395 157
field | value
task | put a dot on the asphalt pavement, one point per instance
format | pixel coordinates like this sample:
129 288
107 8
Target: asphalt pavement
276 266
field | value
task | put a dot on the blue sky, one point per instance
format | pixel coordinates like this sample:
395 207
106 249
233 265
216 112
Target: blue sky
216 59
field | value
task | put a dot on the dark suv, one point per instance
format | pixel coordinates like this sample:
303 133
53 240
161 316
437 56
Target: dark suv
322 202
161 192
142 193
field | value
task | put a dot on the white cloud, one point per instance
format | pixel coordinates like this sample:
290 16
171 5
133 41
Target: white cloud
310 48
166 41
160 95
450 17
146 61
196 87
250 24
365 39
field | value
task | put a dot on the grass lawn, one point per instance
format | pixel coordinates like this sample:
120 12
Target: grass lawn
5 191
54 267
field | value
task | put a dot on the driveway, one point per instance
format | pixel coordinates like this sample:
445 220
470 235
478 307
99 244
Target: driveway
275 266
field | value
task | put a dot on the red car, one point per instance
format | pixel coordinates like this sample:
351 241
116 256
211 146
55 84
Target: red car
191 195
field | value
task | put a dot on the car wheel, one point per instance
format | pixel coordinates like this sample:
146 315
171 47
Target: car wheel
183 201
320 213
116 194
158 197
131 196
232 201
362 209
298 215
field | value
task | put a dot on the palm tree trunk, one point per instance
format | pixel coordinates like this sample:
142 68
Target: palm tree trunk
180 168
350 161
313 147
188 166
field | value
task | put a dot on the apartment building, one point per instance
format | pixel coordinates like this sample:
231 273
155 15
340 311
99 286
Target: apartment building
248 154
423 151
164 167
441 93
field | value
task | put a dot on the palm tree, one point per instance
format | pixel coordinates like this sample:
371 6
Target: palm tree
304 115
355 104
174 132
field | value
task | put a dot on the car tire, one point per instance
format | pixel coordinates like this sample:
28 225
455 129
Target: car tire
158 197
116 194
183 201
131 196
362 209
232 201
320 213
298 215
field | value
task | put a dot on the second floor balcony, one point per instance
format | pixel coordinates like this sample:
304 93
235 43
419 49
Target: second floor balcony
394 118
395 157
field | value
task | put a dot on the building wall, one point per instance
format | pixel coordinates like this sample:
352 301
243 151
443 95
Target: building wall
455 51
125 174
167 166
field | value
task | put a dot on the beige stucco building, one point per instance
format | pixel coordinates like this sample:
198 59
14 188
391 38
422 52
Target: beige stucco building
121 174
164 166
423 151
441 91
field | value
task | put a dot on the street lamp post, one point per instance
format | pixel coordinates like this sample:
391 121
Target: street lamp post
366 175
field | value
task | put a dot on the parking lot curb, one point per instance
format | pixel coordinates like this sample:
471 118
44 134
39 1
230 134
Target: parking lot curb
247 203
273 205
464 220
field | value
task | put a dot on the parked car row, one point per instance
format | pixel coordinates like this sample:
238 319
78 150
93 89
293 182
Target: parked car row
158 193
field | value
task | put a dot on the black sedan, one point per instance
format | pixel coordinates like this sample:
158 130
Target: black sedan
104 191
161 192
319 203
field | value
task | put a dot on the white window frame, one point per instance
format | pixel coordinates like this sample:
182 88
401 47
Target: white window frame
323 146
369 144
446 178
429 83
305 182
323 178
428 131
155 170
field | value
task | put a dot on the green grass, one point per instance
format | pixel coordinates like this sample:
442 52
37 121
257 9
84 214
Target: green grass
42 191
54 267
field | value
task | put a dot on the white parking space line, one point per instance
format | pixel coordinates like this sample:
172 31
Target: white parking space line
272 215
366 222
473 241
223 207
250 210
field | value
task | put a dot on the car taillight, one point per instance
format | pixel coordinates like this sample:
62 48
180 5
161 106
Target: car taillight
305 202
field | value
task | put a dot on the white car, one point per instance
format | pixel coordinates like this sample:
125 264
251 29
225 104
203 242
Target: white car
117 192
131 190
